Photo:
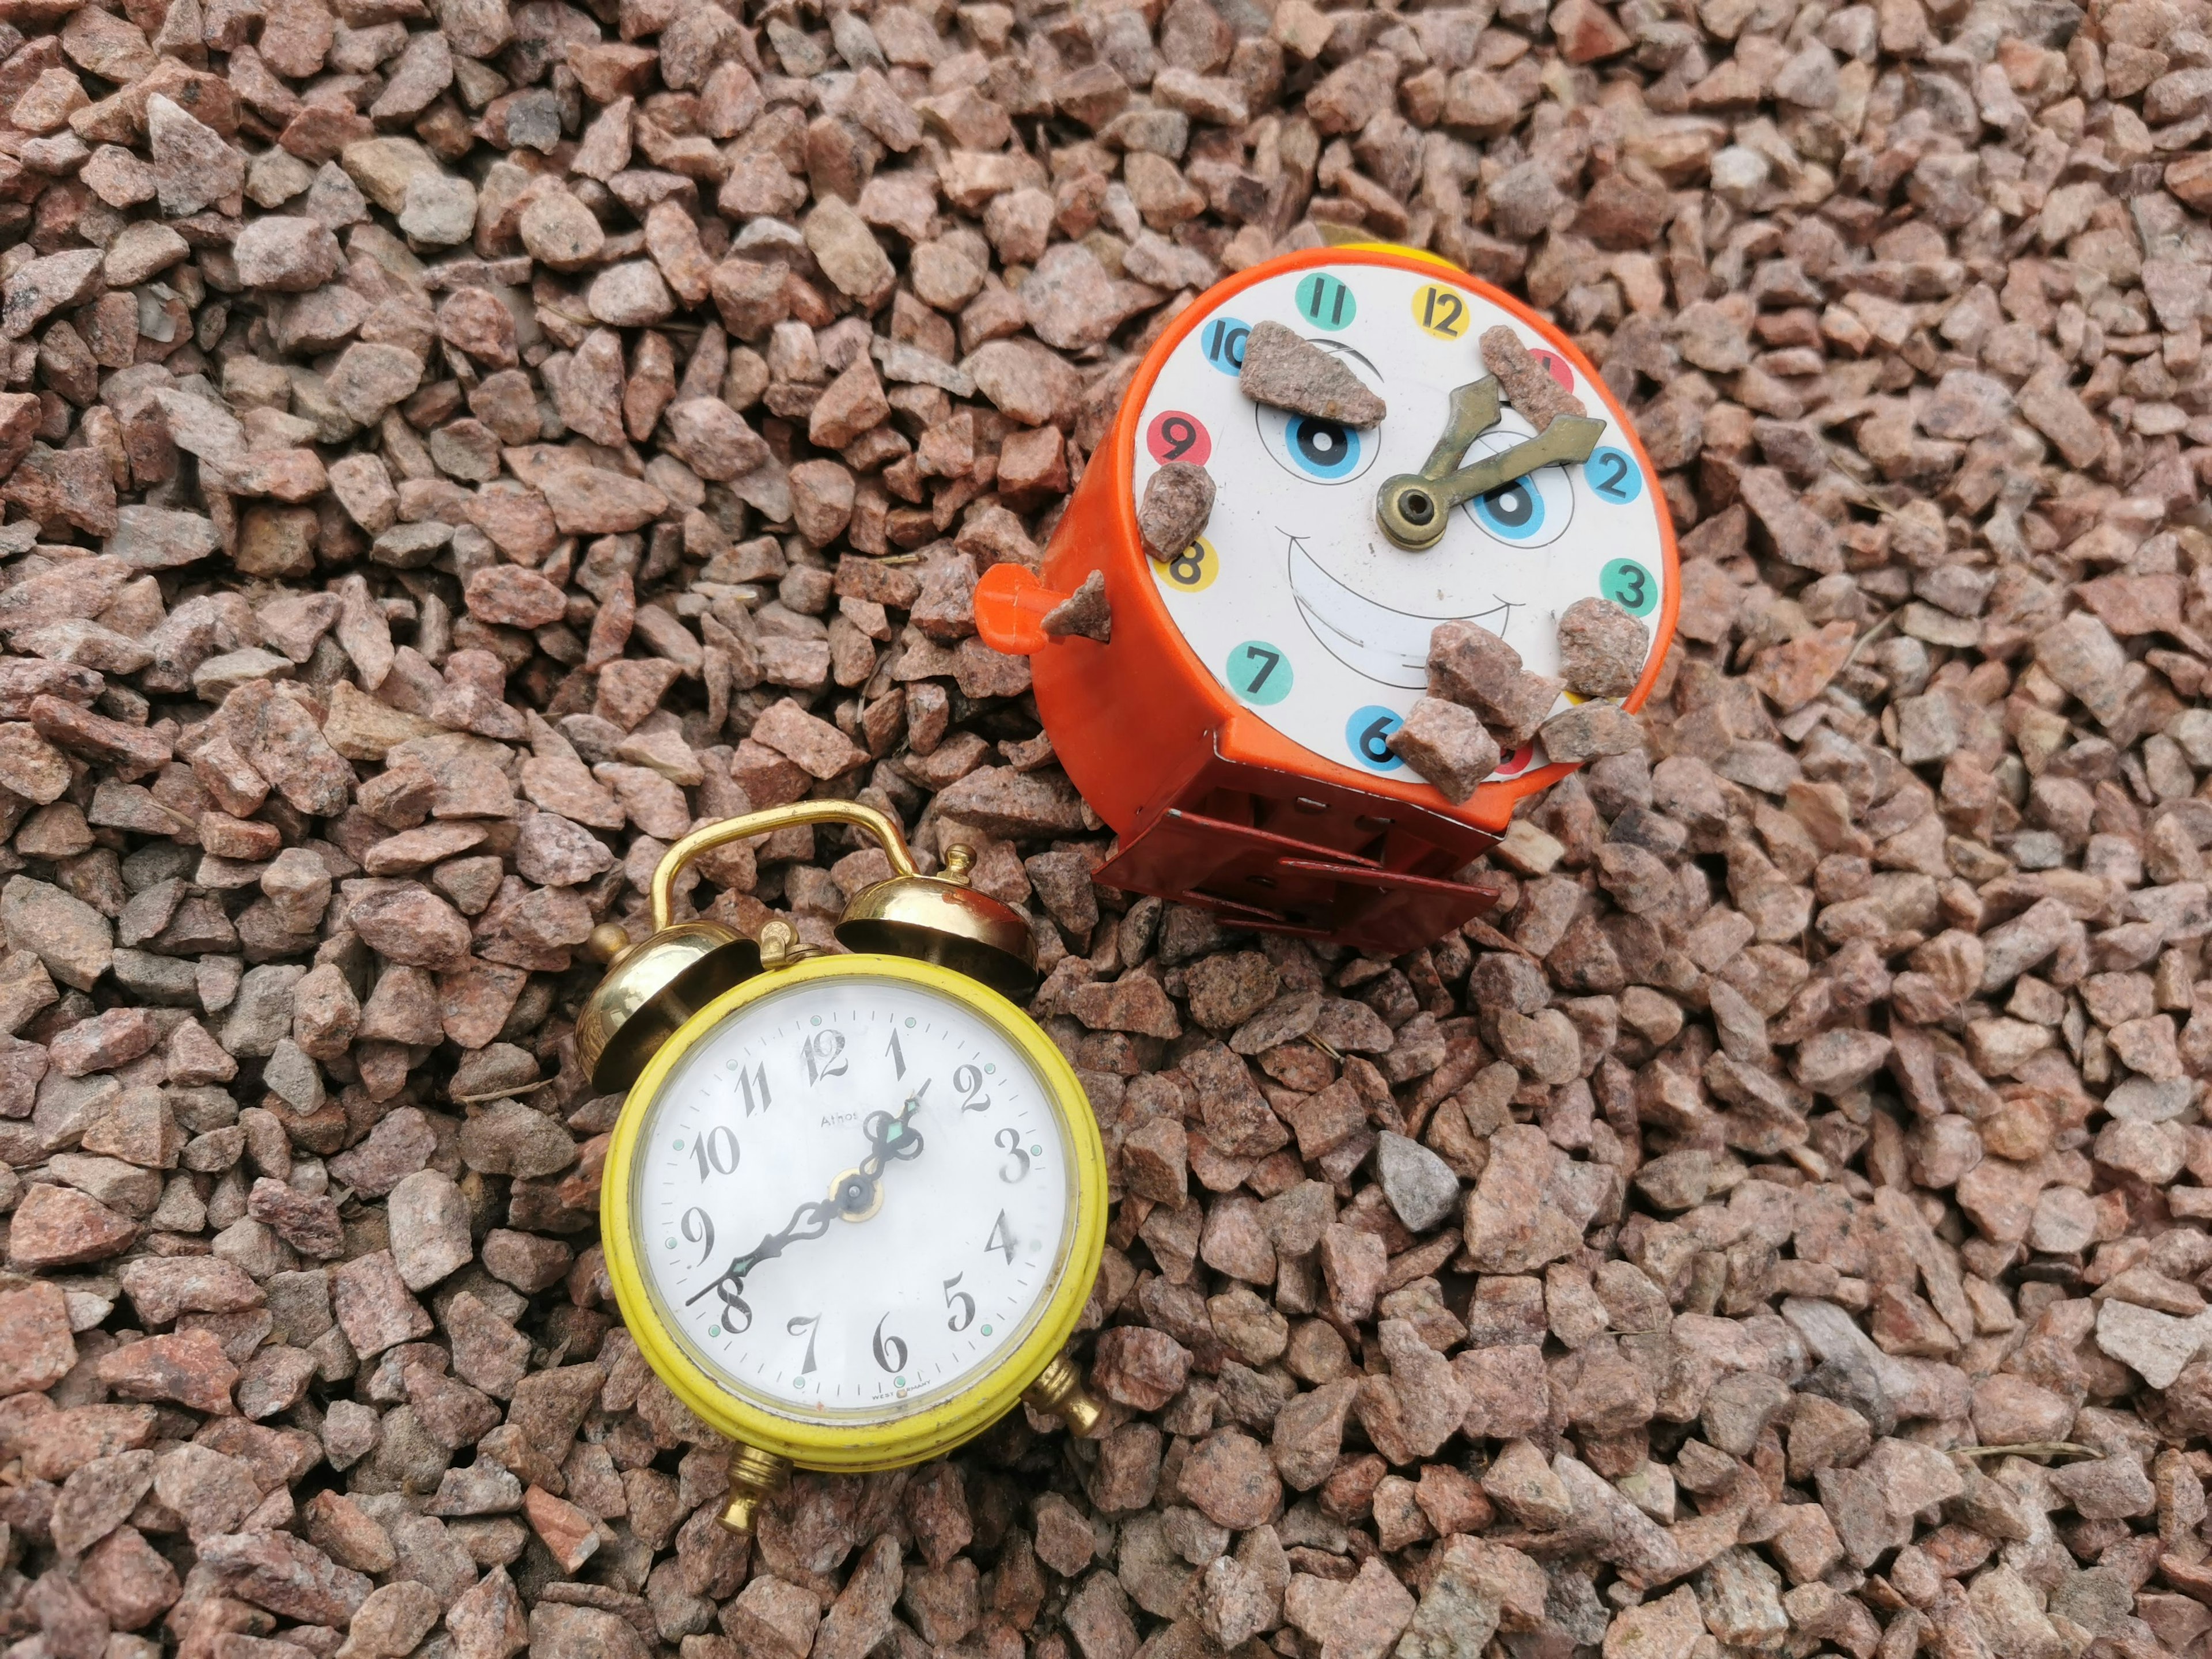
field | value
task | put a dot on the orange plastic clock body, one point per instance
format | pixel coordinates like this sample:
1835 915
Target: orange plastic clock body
1250 777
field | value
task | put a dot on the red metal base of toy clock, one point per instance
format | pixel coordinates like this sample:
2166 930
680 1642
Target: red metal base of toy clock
1365 881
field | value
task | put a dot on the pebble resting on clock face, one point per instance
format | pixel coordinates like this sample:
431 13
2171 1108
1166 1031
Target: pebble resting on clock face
1178 501
1447 745
1470 666
1601 648
1527 384
1590 731
1283 371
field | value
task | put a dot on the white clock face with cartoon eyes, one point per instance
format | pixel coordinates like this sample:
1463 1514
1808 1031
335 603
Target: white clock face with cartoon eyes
1293 596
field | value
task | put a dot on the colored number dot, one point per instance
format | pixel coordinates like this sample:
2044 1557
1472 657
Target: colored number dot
1176 436
1222 340
1325 302
1258 673
986 1330
1193 570
1367 734
1440 312
1614 475
1628 585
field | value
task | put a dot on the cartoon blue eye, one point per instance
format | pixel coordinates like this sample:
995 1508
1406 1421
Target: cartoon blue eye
1327 449
1320 451
1530 511
1515 511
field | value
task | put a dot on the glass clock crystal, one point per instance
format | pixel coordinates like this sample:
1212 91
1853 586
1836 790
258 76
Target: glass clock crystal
853 1203
1233 723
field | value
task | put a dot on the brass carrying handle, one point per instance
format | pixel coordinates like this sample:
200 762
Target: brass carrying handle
767 821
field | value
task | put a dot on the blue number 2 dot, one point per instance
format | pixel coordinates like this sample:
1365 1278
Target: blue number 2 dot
1260 672
1628 585
1222 340
1613 475
1367 734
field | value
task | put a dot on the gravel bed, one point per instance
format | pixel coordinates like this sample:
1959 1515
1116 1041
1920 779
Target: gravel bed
447 456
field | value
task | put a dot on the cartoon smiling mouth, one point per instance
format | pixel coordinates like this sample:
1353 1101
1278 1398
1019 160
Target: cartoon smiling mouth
1390 647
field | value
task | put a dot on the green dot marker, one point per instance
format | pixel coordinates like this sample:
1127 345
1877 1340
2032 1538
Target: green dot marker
989 1068
672 1243
909 1022
986 1330
714 1330
1036 1152
817 1019
679 1145
898 1381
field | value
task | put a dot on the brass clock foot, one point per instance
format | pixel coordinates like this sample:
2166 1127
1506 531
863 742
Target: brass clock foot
1059 1390
756 1476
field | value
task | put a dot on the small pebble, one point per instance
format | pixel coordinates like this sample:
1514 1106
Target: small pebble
1527 385
1589 730
1601 648
1284 370
1177 502
1086 611
1447 745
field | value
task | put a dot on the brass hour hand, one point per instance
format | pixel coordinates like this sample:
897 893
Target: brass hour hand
1414 507
1405 505
1473 412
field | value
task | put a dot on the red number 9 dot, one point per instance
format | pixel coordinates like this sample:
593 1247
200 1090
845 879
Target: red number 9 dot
1176 436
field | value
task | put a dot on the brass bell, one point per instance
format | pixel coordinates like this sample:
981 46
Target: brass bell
653 986
941 918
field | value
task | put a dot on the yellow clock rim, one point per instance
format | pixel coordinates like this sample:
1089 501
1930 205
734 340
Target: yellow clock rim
864 1448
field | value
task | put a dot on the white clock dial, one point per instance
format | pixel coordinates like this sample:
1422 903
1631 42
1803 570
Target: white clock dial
869 1319
1293 598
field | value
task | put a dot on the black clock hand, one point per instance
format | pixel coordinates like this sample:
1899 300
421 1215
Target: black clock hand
856 1196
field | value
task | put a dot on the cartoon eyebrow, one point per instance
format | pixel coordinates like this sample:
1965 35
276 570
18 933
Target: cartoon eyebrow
1349 351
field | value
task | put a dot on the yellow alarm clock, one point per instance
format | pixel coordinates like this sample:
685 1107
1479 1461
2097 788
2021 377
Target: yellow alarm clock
855 1203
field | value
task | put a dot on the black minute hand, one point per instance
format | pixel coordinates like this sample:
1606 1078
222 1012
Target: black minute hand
853 1197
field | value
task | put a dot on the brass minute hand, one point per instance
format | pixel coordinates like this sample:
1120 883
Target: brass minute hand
1413 507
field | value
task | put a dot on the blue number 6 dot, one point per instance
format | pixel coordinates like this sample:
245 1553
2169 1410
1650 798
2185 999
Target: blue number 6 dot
1367 734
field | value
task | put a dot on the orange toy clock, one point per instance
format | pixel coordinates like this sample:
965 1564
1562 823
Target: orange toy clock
1233 727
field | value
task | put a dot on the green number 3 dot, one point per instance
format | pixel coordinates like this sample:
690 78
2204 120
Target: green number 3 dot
1628 585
